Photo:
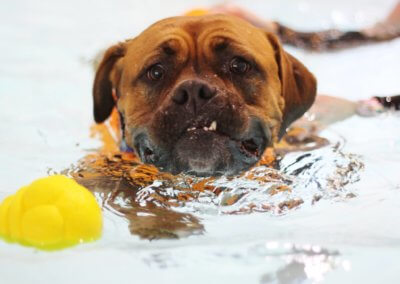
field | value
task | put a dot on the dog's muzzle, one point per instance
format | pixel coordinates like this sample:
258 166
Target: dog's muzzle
204 151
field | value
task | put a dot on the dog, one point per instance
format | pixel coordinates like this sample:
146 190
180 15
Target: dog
204 95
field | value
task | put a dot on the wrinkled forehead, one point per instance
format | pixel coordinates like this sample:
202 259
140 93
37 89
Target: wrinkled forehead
175 34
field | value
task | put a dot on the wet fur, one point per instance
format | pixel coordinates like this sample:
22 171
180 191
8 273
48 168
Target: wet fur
274 93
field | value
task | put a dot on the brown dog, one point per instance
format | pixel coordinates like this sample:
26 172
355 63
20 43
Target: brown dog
204 95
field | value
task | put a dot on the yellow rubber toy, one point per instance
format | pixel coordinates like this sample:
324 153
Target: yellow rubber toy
51 213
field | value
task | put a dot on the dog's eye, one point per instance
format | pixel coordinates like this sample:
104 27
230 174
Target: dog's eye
239 66
156 72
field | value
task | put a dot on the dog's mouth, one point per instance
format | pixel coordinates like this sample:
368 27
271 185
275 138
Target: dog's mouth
247 146
205 149
148 154
250 147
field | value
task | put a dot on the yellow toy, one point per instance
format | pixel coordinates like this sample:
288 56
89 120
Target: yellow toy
51 213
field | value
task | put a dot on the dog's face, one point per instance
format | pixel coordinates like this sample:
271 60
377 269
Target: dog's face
204 95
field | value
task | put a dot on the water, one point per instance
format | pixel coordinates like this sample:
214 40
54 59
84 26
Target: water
351 235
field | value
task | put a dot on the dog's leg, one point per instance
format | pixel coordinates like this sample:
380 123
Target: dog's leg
376 105
327 110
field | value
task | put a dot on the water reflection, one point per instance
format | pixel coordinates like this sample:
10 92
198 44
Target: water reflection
276 262
160 205
303 263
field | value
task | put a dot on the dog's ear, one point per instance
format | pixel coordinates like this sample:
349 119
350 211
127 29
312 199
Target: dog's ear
299 86
104 82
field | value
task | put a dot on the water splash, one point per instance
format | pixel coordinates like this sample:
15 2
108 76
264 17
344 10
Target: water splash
301 180
161 205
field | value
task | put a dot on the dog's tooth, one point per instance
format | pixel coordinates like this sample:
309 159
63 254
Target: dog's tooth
213 125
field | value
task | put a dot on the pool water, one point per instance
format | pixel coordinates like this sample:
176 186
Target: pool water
350 235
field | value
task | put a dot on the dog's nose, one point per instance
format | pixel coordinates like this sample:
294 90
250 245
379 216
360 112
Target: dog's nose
193 94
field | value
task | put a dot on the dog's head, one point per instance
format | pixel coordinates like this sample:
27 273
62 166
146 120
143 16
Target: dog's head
204 95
